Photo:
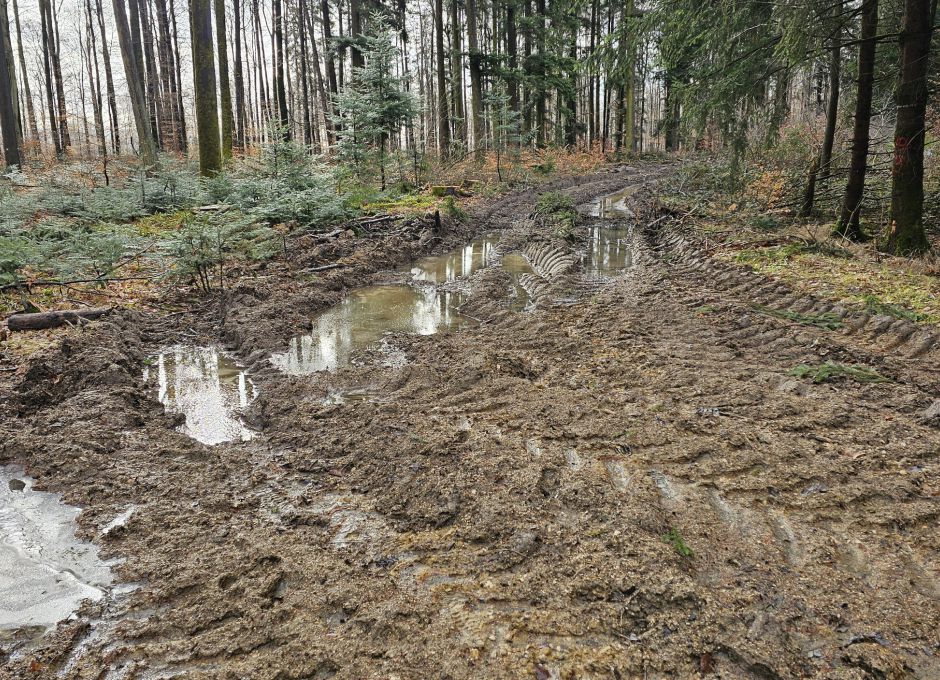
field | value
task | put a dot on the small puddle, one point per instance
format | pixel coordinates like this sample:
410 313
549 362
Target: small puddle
609 250
611 206
45 571
516 265
362 319
207 386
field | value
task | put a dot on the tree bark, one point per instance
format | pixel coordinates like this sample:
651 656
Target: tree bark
28 95
225 92
456 74
328 48
49 83
355 31
148 148
239 134
832 112
280 92
42 320
207 110
8 118
94 78
476 81
906 234
109 82
849 222
443 122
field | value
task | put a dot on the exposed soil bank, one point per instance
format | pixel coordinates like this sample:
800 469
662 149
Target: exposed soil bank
623 481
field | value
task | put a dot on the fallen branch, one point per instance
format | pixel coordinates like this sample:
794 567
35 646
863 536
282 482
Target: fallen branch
31 284
322 268
42 320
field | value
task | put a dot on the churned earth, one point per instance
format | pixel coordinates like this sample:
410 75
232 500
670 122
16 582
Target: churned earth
618 478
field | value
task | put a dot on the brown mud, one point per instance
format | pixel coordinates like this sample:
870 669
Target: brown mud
620 481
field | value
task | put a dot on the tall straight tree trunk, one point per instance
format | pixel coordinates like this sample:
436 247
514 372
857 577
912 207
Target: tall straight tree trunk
137 46
183 137
153 84
8 118
906 234
304 75
355 31
225 92
28 95
52 41
849 222
239 134
280 92
541 91
476 81
629 85
172 115
823 168
147 145
109 82
325 117
207 110
443 124
328 47
49 84
456 73
94 80
512 55
7 44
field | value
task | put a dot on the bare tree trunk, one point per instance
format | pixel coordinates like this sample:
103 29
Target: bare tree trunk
325 119
170 125
540 89
183 138
476 81
148 148
443 124
52 45
355 31
94 79
153 85
456 74
30 109
280 91
906 234
49 85
8 117
239 80
207 110
849 223
225 92
832 111
328 48
109 82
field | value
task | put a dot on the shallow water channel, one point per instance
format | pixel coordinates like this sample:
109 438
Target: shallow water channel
45 571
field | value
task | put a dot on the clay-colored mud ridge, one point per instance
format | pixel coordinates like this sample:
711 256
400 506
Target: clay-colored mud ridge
620 476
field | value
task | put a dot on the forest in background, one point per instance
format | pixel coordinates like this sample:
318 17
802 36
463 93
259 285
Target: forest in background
300 113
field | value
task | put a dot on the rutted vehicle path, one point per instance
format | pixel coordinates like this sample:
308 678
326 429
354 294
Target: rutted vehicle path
619 479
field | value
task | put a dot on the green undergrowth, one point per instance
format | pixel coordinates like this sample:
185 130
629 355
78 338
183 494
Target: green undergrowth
827 320
830 371
874 305
675 539
557 211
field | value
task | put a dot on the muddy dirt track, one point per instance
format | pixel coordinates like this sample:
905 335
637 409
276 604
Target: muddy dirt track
621 482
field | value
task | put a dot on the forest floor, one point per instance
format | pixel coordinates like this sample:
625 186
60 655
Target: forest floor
628 479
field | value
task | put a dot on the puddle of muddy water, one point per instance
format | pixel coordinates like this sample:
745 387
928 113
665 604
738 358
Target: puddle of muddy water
362 319
207 386
45 571
608 251
613 205
457 264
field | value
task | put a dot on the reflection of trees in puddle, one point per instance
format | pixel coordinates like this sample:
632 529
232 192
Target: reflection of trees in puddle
362 319
458 263
609 251
206 386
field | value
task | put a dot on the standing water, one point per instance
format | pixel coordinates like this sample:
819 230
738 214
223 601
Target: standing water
609 250
207 387
45 571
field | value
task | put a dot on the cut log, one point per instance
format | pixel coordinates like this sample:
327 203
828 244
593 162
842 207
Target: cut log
41 320
440 191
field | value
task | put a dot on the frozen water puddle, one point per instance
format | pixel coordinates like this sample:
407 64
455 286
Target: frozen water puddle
45 571
364 316
208 387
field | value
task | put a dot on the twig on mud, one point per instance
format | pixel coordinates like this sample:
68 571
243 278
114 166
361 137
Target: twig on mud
66 284
323 268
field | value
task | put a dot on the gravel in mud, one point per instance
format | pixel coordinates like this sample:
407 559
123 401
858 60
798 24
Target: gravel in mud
624 481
